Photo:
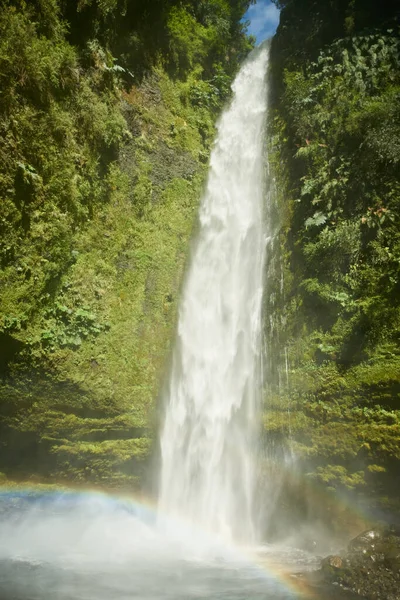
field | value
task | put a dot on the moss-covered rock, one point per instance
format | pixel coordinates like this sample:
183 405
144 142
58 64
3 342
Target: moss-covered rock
101 176
333 373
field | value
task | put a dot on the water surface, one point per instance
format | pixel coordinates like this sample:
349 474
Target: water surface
87 547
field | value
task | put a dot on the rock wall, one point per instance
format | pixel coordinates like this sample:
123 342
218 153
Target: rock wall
108 113
333 401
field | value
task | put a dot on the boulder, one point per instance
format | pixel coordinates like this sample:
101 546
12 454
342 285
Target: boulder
366 541
334 561
369 568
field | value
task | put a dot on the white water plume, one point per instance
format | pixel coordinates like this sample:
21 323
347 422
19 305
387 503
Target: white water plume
96 547
209 435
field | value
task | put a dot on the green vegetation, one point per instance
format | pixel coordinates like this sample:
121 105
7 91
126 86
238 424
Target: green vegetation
335 153
107 113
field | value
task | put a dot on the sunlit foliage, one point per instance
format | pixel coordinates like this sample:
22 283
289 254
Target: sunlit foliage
107 112
335 152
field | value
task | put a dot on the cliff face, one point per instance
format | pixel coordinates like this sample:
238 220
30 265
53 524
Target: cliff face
334 133
107 113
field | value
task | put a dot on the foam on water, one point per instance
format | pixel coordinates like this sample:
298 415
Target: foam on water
86 546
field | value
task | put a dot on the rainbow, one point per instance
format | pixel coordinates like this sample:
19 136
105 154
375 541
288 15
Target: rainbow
145 509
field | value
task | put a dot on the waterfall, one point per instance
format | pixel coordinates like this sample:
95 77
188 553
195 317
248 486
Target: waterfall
208 441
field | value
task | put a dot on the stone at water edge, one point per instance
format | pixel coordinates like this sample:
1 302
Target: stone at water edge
334 561
365 541
370 567
378 545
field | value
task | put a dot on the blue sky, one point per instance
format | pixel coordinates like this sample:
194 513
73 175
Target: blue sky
264 19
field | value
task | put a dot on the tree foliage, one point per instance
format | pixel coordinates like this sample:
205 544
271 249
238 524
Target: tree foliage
335 153
107 112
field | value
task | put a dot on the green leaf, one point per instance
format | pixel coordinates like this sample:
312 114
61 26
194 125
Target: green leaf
316 220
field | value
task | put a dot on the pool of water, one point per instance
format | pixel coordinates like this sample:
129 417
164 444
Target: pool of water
69 548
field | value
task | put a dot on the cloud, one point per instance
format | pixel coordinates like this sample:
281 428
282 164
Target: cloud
264 19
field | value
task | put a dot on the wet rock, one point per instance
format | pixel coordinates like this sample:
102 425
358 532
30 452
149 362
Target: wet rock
392 557
334 561
366 541
369 568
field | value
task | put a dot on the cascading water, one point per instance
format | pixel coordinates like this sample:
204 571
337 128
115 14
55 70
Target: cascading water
208 439
59 544
78 545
